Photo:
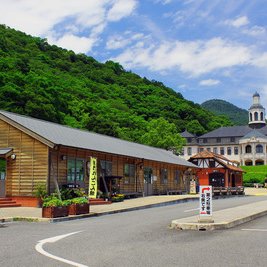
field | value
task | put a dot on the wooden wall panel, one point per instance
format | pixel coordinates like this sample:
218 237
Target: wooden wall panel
30 167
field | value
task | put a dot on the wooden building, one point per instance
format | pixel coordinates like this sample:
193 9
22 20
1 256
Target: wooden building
217 170
39 152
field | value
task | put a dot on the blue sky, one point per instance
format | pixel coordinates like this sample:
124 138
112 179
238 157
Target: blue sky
202 48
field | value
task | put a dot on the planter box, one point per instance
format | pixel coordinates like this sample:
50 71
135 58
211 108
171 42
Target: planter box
54 212
76 209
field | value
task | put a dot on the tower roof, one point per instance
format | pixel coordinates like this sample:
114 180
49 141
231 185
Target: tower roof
256 94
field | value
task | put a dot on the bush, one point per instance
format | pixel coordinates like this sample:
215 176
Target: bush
79 200
69 193
41 191
54 202
117 198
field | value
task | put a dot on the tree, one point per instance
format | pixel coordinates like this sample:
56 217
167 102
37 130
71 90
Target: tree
160 133
195 127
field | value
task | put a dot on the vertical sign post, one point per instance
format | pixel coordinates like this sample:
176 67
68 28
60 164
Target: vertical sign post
205 204
93 178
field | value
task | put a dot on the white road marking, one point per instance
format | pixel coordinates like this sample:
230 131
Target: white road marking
39 248
256 230
191 210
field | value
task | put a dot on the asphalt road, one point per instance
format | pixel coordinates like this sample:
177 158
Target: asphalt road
137 238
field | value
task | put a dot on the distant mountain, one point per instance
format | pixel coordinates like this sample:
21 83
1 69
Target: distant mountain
237 115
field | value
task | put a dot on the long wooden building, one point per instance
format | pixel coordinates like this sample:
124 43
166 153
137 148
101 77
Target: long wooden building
39 152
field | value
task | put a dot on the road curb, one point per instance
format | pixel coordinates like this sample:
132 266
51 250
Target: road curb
180 225
96 214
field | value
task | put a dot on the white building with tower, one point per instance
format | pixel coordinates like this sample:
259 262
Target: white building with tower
245 144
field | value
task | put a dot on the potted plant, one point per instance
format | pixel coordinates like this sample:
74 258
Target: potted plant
78 205
117 198
54 207
41 194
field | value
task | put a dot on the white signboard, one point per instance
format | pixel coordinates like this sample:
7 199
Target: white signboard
205 201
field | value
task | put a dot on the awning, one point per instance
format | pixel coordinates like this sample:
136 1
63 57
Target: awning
5 152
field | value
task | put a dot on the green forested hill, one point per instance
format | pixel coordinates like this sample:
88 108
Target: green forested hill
51 83
237 115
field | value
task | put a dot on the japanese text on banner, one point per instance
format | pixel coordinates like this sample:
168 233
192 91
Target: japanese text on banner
93 178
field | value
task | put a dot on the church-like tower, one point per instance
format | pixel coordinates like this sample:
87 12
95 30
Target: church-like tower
256 113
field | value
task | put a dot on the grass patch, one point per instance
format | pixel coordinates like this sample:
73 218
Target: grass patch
254 174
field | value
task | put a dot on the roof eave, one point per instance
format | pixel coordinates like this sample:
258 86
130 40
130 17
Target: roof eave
27 131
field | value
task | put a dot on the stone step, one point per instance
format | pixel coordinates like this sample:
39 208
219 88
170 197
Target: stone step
7 202
12 205
5 199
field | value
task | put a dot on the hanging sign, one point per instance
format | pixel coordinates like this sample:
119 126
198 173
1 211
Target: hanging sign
205 201
93 178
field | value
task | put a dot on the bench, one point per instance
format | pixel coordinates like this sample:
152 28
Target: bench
175 192
257 185
132 194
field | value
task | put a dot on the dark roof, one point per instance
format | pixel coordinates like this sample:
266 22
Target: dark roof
256 94
254 133
5 151
232 131
256 106
186 134
55 134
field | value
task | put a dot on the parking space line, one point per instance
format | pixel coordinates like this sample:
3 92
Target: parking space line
191 210
255 230
39 248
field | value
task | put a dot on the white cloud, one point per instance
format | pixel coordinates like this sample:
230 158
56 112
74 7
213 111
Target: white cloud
120 9
238 22
78 44
255 31
192 57
118 41
63 22
163 2
209 82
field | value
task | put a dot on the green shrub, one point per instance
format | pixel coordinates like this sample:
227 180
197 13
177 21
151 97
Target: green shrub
40 191
54 202
254 174
79 200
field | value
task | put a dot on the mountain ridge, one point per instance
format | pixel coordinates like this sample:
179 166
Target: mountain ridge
238 116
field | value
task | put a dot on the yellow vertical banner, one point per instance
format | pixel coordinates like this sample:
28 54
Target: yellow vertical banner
93 178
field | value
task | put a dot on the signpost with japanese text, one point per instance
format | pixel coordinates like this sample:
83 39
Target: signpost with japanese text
93 178
205 202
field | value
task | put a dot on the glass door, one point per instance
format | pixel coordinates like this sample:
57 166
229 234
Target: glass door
148 180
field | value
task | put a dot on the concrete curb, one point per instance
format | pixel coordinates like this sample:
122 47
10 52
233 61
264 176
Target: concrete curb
95 214
179 225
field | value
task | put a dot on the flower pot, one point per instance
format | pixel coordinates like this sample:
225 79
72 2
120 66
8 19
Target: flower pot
76 209
54 212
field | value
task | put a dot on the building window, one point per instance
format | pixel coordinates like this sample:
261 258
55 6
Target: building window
229 151
211 164
236 150
75 170
262 116
259 149
205 140
189 140
106 168
182 152
189 151
164 176
222 150
250 116
208 149
256 116
129 173
176 177
215 150
218 140
200 149
232 139
248 149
